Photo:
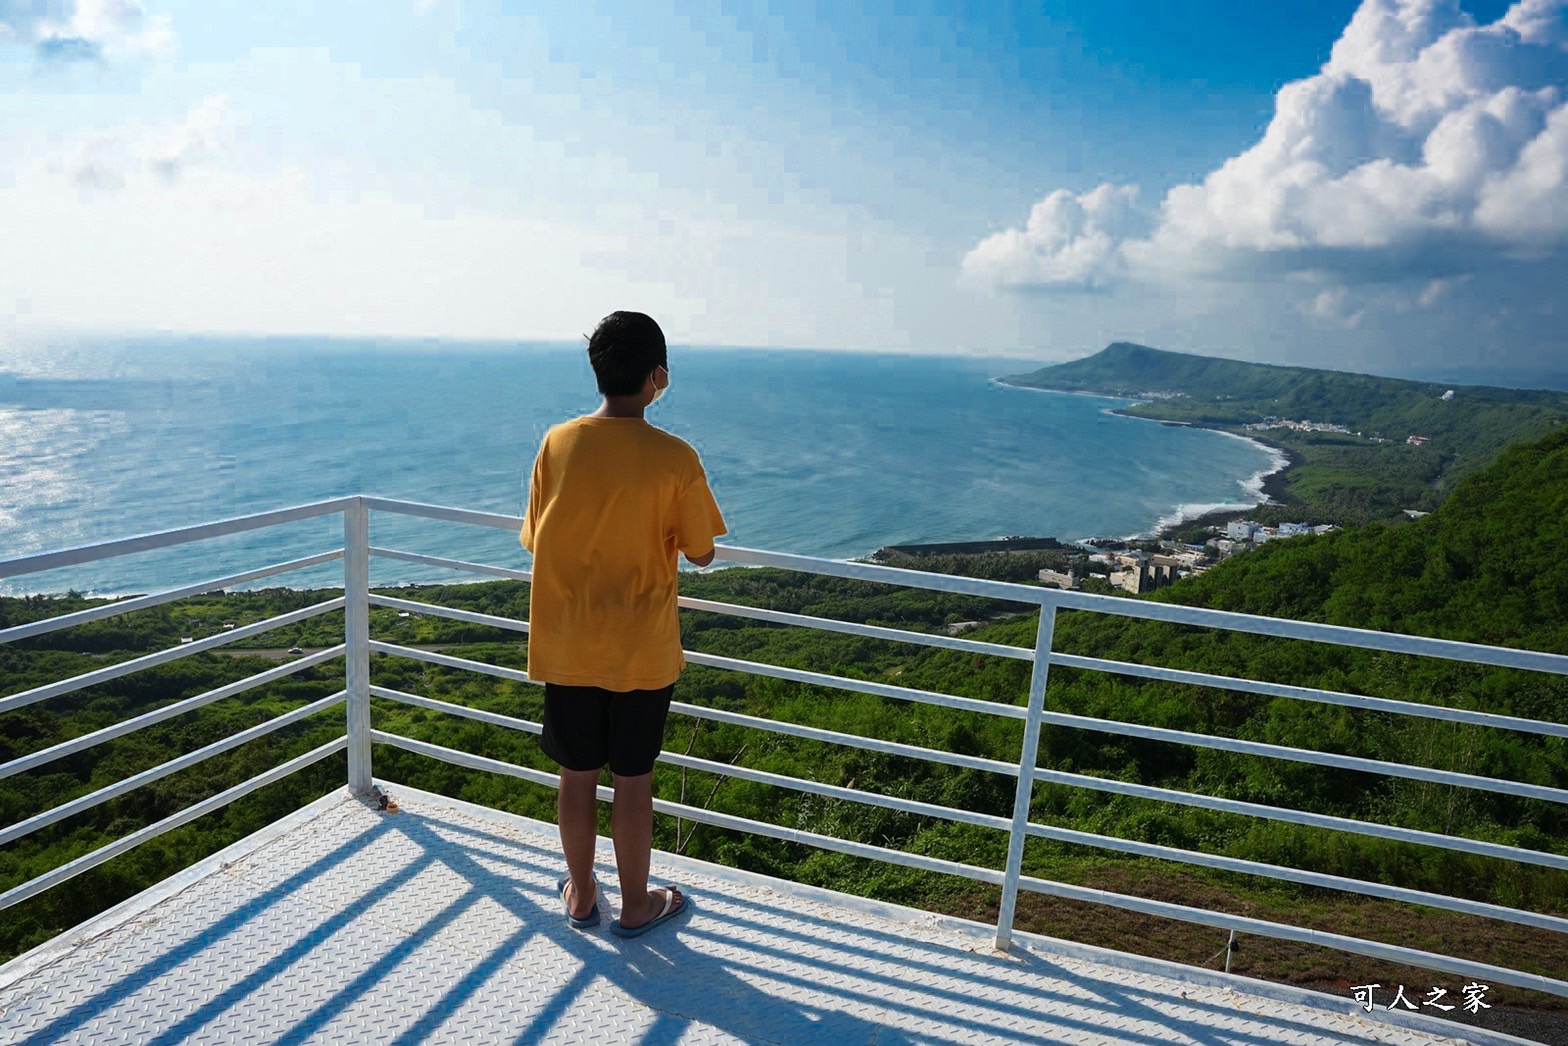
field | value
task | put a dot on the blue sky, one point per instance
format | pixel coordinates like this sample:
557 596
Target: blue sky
1378 186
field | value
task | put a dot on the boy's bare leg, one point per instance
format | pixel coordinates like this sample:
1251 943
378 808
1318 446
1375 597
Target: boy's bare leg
631 826
577 815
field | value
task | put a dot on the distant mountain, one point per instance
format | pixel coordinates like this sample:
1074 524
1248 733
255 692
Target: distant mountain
1123 368
1231 391
1356 476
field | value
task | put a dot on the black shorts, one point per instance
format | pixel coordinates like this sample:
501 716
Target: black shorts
586 727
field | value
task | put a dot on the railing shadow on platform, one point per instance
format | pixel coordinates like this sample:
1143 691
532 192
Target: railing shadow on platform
360 737
698 978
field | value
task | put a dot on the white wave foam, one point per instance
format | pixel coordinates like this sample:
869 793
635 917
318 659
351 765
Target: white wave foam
1184 513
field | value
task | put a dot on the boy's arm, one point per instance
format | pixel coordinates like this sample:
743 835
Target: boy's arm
698 521
535 497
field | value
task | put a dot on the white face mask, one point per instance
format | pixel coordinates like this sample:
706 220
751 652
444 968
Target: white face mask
658 390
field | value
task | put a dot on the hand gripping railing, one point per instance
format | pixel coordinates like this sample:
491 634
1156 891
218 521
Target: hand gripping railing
360 735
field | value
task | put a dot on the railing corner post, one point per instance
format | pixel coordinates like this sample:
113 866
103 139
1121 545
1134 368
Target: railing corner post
356 639
1044 637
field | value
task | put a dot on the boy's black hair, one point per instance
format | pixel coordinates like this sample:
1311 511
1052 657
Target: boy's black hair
624 349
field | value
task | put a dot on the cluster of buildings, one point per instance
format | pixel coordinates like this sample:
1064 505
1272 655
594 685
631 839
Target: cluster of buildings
1138 570
1133 570
1242 534
1296 426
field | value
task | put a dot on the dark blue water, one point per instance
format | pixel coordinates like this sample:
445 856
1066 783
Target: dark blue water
828 454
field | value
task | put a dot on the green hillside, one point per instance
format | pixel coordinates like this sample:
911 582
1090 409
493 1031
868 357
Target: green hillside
1340 478
1490 566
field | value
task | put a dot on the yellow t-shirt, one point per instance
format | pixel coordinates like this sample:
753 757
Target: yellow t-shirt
611 501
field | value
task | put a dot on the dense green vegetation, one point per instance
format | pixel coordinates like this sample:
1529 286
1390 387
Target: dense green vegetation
1368 474
993 566
1487 567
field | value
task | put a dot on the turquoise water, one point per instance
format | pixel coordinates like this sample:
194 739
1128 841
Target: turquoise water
827 454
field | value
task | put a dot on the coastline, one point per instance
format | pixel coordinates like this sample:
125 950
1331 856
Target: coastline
1273 489
1270 486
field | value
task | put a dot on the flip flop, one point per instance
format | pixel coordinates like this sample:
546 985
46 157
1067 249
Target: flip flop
669 912
587 921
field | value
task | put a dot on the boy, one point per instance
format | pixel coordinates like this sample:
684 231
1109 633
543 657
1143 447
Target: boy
611 501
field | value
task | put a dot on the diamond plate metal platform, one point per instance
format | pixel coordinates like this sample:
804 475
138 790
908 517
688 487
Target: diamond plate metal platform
440 923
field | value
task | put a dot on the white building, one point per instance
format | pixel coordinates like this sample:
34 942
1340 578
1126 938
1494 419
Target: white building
1240 529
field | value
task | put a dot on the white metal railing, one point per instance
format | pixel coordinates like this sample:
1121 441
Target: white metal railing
360 736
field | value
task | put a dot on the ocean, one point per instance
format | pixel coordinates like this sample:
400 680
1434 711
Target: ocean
824 454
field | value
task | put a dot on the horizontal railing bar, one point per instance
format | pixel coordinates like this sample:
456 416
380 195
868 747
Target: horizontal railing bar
479 714
517 675
829 842
1339 635
870 744
190 813
493 520
827 624
41 561
863 686
1307 755
689 813
853 795
733 665
125 668
1303 693
1139 608
103 795
126 606
1007 590
734 718
1297 875
908 806
1302 935
1331 822
158 715
451 564
472 617
465 759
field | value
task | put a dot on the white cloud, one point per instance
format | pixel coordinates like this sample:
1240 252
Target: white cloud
1437 290
74 30
1425 146
97 162
208 129
1068 242
110 160
1336 307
